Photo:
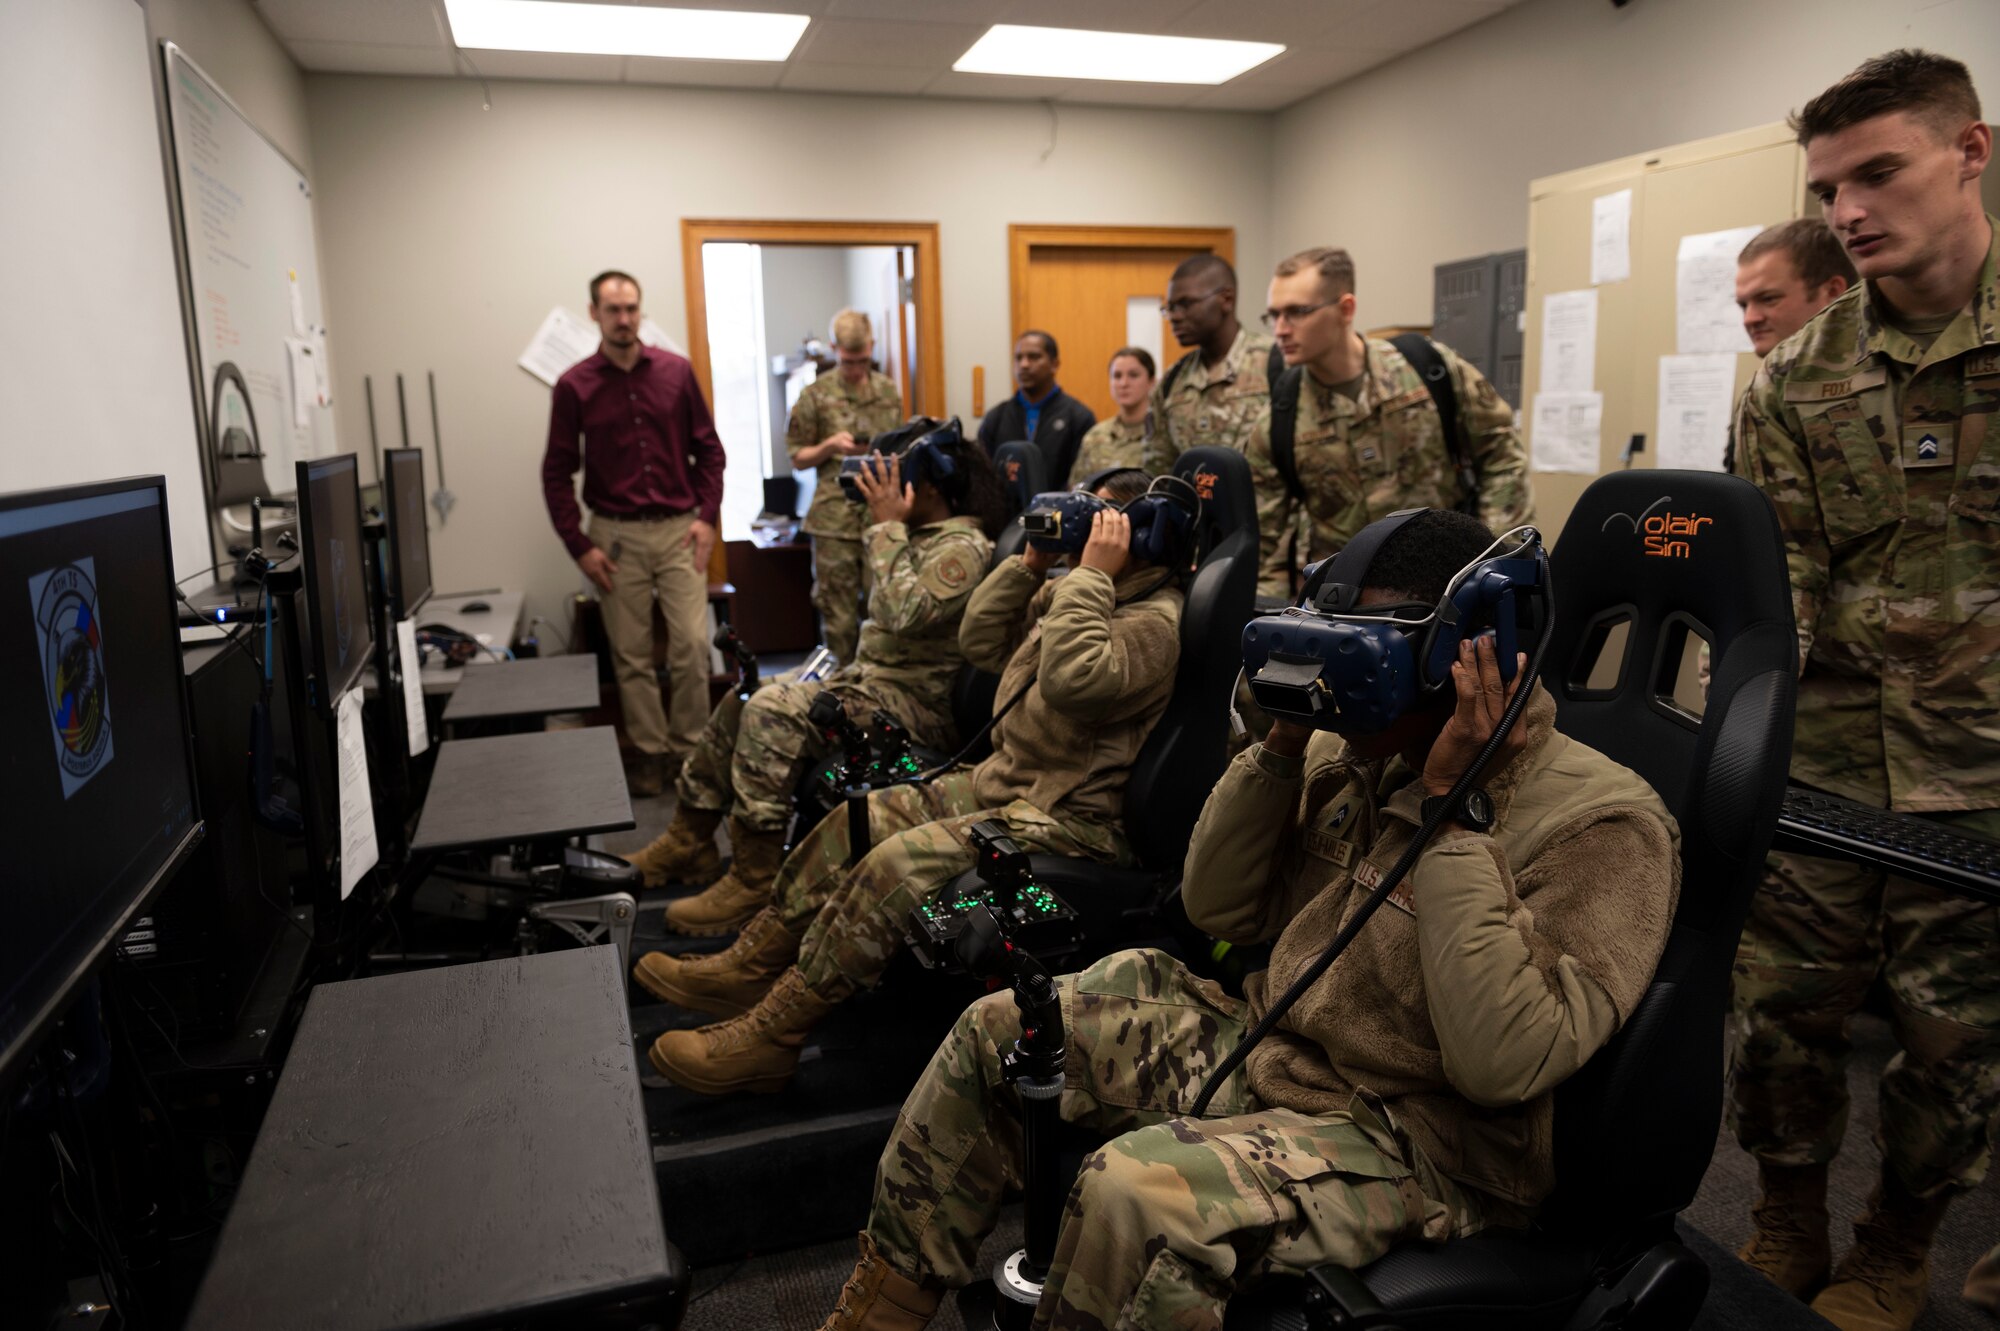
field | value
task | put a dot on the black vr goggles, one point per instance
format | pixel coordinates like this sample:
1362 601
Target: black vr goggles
1163 520
921 443
1328 664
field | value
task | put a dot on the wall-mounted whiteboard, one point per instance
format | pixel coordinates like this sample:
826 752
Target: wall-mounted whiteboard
93 357
246 227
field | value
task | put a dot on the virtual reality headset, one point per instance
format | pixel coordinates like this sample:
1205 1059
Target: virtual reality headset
1331 665
1163 520
921 443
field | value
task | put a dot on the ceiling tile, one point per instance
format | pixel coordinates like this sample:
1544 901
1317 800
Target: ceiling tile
1155 16
376 22
978 12
1405 25
841 41
954 84
547 65
1311 70
1110 92
808 76
1286 21
367 58
703 73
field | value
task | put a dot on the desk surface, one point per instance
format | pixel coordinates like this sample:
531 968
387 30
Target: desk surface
445 1148
553 783
534 687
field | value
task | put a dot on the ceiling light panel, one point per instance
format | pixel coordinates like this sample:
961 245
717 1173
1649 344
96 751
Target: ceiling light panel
643 30
1127 57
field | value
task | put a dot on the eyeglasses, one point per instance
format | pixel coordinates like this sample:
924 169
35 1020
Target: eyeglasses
1182 304
1294 314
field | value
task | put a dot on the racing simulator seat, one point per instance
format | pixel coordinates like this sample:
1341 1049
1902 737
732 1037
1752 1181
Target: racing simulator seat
1653 556
1184 756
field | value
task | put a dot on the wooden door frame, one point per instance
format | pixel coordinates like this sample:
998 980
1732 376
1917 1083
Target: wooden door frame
921 237
1022 239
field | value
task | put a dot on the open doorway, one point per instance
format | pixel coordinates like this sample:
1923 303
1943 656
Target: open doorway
760 296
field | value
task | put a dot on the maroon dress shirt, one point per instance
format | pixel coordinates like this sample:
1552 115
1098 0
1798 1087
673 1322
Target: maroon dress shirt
645 438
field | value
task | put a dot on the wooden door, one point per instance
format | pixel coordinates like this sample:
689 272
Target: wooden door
1093 289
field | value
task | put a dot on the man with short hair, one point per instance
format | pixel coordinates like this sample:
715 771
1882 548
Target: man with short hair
1785 275
1871 431
1039 411
652 475
1367 437
1219 393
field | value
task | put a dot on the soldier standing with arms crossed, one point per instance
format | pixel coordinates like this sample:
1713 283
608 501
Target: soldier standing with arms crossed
1872 433
834 418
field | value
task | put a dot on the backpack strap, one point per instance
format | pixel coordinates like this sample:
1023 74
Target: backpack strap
1285 424
1174 373
1422 354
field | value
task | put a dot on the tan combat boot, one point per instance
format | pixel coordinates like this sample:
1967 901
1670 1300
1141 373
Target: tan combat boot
876 1298
1788 1245
756 1051
685 852
727 982
733 898
1982 1283
1882 1282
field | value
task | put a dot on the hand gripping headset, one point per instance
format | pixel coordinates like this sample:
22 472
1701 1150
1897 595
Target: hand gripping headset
1163 520
1328 664
921 443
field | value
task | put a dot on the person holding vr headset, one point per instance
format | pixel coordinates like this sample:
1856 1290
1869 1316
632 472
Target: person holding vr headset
932 506
835 418
1086 665
1408 1092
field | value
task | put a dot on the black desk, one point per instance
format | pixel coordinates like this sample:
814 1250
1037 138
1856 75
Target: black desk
507 788
451 1148
535 687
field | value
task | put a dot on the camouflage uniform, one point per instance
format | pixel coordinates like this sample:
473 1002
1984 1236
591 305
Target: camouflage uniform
1881 460
829 405
1111 443
1228 406
909 655
1360 460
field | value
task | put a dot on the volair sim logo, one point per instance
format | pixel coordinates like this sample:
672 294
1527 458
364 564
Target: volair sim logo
1204 485
1663 533
73 679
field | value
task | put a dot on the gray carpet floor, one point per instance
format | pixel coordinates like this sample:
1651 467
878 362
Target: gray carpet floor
796 1289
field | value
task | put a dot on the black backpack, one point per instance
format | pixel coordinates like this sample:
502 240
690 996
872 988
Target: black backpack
1423 356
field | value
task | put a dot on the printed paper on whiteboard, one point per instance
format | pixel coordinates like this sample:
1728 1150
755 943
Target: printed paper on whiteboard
1564 432
357 805
305 380
1611 237
1569 342
563 339
1697 395
413 686
1705 315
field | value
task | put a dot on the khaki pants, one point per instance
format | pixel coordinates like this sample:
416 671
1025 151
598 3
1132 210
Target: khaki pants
653 559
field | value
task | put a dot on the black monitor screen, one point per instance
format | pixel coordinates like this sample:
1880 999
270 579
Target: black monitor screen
409 537
336 580
99 801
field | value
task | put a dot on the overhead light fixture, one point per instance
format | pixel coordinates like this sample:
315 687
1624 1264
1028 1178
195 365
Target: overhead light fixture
578 29
1127 57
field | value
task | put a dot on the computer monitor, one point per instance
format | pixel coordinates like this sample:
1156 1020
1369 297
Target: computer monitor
409 534
99 806
343 636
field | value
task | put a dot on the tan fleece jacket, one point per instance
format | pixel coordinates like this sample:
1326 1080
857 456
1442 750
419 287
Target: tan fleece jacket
1102 672
1503 962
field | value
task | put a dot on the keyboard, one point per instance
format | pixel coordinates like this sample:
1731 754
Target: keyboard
1812 823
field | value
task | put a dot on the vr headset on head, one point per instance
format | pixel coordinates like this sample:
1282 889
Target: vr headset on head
1163 520
921 443
1333 665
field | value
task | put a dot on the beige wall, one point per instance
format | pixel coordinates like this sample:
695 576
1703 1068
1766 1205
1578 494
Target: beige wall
230 42
1428 158
447 232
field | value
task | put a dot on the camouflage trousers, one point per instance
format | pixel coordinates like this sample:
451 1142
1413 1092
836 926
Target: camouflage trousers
840 581
1820 933
853 918
1173 1213
747 760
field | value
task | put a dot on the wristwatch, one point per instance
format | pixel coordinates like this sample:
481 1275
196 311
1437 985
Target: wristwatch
1475 811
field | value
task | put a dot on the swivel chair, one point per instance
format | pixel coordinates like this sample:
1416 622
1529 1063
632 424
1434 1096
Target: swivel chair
1184 756
1664 554
1023 475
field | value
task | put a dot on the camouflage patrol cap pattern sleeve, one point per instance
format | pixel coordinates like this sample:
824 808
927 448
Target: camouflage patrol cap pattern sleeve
1499 458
